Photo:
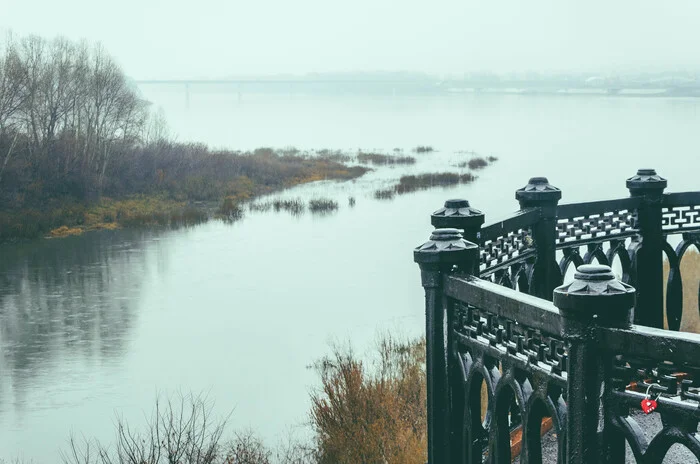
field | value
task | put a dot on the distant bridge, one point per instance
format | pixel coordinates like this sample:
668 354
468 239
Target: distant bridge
389 86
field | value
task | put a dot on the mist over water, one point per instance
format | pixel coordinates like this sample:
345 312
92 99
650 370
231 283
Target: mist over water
97 325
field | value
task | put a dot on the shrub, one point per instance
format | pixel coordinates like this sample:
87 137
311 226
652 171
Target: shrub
65 231
423 149
230 209
365 414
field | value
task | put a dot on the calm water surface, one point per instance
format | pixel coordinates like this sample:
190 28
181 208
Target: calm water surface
98 325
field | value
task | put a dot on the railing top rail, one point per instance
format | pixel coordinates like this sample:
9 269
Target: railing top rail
676 199
528 310
572 210
519 220
527 217
651 343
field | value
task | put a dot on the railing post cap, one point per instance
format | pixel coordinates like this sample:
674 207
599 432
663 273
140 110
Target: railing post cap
596 291
646 181
445 247
457 212
538 190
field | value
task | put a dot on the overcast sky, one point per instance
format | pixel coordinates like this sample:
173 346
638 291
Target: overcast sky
212 38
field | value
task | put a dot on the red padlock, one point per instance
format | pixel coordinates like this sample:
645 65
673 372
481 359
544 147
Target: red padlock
648 405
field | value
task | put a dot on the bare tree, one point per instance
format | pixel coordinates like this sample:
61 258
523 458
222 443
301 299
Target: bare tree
11 96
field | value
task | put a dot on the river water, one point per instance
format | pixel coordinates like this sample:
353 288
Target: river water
97 326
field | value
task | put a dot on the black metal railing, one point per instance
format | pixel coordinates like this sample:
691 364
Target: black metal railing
512 348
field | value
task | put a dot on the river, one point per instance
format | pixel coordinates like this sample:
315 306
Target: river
98 325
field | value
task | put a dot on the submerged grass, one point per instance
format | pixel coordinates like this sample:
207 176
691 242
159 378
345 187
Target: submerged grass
386 194
294 206
322 205
333 155
413 183
477 163
381 159
425 181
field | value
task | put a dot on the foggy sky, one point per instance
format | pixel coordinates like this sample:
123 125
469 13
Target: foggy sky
217 38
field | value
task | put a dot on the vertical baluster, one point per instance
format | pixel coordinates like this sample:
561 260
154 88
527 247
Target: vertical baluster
648 259
539 193
437 258
594 298
458 214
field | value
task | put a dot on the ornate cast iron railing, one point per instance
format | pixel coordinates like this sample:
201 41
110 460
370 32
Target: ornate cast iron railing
502 362
534 250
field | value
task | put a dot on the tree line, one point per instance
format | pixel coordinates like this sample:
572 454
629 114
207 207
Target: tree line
66 111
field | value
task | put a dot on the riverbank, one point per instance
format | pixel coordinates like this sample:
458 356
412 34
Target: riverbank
189 185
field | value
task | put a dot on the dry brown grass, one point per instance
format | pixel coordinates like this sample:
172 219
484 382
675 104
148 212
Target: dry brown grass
65 231
372 415
690 272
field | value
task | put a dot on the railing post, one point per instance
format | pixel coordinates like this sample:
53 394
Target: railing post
437 258
648 262
457 214
595 298
539 193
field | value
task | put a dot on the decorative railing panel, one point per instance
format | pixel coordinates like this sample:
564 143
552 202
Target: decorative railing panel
598 232
511 343
583 223
507 242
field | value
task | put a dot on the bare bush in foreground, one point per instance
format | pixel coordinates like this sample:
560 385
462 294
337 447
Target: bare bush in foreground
180 430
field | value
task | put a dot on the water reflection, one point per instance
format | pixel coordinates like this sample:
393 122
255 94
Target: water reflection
68 299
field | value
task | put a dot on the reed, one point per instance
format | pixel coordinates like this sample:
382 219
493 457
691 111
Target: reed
386 194
413 183
381 159
322 205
